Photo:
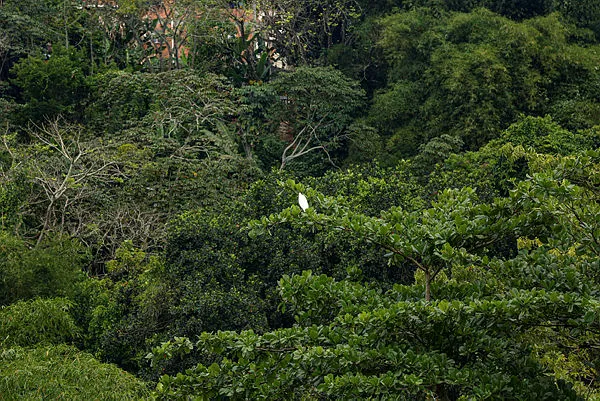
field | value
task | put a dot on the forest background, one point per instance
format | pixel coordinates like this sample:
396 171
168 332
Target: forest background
152 246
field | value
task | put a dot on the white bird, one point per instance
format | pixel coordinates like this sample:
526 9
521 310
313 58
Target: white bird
302 201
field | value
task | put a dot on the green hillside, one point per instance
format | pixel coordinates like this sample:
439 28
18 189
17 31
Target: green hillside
152 244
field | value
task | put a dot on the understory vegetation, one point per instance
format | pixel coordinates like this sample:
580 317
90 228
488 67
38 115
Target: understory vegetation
151 241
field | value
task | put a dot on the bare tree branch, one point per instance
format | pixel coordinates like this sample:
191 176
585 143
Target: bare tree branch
63 167
301 142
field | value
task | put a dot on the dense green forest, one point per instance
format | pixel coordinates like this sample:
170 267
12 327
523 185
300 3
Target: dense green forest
152 245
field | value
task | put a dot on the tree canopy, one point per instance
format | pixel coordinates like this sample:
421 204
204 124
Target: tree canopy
152 158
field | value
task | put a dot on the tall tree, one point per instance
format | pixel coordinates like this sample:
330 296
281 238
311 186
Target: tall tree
301 31
306 112
471 74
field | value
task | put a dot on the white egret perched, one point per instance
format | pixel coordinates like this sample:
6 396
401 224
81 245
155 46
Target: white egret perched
302 201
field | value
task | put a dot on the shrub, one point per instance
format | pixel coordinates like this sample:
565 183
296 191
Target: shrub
50 269
27 323
63 372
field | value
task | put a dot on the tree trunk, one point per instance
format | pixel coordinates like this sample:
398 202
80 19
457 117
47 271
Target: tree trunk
46 222
427 285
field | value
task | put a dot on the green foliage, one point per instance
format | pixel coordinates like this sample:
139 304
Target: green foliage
173 137
520 151
162 144
585 13
228 42
205 268
359 59
470 75
546 136
306 113
174 104
49 87
576 112
515 9
123 311
491 171
49 269
301 32
27 26
518 287
37 321
455 228
213 38
378 345
214 277
94 311
55 372
254 102
318 95
365 144
371 187
449 276
435 151
130 261
13 193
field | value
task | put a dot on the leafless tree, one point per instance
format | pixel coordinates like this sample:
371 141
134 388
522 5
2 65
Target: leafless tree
64 166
